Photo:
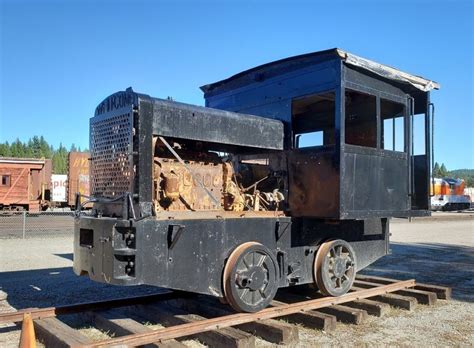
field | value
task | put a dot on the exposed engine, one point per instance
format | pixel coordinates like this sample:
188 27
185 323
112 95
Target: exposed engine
196 179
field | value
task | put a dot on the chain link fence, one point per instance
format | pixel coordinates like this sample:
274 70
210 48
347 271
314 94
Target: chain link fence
36 224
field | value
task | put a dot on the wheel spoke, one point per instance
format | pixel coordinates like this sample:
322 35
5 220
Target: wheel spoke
244 261
243 293
260 261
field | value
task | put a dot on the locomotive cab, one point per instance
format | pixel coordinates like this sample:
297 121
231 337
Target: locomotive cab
288 176
358 132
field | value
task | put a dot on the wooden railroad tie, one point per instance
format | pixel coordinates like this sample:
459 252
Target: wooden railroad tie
199 327
215 324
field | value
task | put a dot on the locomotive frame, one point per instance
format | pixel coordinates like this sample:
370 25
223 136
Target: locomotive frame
333 222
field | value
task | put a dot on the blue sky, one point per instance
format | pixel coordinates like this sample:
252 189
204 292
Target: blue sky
59 59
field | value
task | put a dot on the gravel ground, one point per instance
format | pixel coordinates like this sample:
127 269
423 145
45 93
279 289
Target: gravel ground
438 250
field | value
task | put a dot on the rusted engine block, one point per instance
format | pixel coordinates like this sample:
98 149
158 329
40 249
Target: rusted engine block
203 181
176 189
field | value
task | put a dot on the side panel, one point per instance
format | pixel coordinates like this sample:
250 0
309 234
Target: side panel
313 183
374 183
369 237
178 120
190 254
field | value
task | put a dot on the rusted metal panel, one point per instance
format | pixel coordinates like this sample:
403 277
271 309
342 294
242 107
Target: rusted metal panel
78 175
314 184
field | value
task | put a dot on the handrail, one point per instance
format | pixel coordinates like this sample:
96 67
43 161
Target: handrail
432 112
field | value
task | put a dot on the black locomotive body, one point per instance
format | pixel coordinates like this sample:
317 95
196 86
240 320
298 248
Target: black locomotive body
288 176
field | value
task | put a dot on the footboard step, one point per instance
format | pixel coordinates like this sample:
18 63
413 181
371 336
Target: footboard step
423 297
115 322
54 333
226 337
270 330
310 319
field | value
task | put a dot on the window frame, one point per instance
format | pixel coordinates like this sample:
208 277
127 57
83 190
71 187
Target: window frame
295 136
8 180
378 94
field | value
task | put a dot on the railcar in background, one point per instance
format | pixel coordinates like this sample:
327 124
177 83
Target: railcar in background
77 176
25 184
28 183
447 194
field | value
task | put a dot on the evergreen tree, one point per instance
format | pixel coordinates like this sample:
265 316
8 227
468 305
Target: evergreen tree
443 171
28 149
35 147
5 150
60 160
436 170
73 148
45 150
17 148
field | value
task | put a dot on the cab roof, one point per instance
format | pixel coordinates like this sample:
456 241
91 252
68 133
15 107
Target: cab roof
382 70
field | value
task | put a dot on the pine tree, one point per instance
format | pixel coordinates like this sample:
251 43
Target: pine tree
17 149
5 150
35 146
60 160
443 171
436 170
45 150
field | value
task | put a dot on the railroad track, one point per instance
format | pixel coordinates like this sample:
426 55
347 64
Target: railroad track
187 316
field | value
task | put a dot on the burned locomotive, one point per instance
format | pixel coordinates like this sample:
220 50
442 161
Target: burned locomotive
288 176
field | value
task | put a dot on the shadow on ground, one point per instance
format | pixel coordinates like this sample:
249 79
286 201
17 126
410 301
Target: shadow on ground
440 264
68 256
60 286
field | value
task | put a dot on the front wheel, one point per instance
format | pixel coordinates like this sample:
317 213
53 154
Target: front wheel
250 277
334 267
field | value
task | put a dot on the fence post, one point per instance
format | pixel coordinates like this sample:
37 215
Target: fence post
24 224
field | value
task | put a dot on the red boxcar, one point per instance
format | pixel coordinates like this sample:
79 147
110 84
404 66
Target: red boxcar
25 183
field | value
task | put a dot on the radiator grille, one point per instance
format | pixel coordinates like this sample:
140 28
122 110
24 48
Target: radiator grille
111 145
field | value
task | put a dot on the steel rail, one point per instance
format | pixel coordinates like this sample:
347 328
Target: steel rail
242 318
48 312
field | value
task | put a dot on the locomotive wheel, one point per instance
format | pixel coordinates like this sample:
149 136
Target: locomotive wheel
250 277
335 267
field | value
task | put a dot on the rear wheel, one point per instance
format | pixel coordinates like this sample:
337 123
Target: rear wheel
250 277
335 267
